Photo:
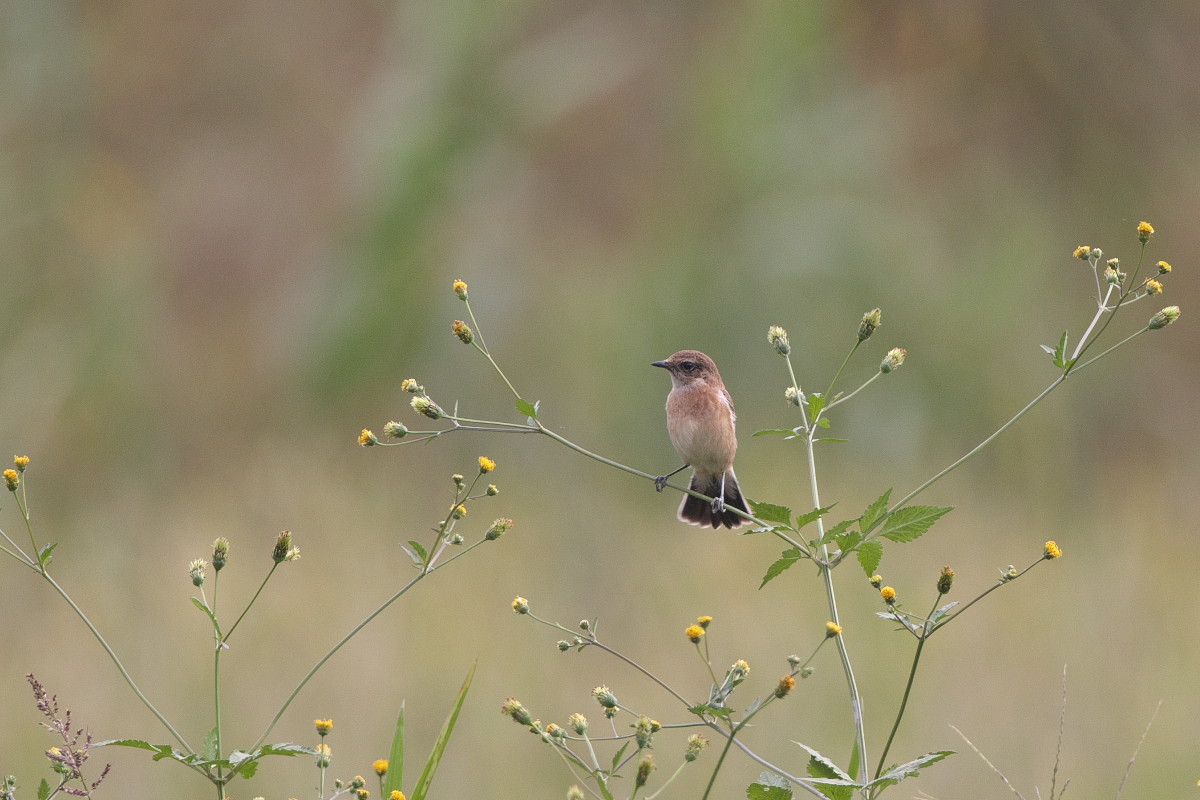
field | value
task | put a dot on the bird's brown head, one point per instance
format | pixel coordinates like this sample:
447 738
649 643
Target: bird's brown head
688 367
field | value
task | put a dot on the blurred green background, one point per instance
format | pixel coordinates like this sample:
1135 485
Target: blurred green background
230 231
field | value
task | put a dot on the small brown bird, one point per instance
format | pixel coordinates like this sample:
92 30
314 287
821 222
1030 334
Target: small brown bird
700 421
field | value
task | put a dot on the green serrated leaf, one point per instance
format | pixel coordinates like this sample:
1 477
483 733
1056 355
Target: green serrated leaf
811 516
419 549
208 751
141 744
769 512
394 779
526 408
836 531
617 756
786 560
43 790
284 749
416 559
816 402
830 438
848 541
760 790
906 524
943 611
1060 352
875 511
774 432
439 747
823 422
898 773
821 767
705 708
248 769
44 557
198 603
869 556
854 758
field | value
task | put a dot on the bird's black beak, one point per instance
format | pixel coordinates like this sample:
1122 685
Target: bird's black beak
662 364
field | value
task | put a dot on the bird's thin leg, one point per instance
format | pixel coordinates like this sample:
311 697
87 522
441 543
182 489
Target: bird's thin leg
660 482
718 504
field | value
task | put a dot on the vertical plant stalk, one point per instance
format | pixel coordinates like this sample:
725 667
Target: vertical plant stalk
220 780
912 674
860 734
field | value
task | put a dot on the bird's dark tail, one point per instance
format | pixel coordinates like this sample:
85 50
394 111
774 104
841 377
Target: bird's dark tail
700 512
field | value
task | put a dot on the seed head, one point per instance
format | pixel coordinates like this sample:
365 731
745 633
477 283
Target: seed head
870 321
1160 320
892 361
778 338
463 331
945 580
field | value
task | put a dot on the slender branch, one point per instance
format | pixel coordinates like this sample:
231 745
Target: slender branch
321 662
860 732
117 662
838 374
1029 407
481 346
246 610
912 674
846 397
943 623
686 490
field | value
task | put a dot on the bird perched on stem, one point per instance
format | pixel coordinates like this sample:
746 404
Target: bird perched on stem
700 421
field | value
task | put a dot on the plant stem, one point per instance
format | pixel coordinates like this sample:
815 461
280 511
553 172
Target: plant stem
596 457
217 711
838 374
860 733
246 610
721 760
1103 306
341 642
1084 344
1029 407
117 662
912 674
846 397
481 346
943 623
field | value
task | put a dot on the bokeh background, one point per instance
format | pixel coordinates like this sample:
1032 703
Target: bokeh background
230 230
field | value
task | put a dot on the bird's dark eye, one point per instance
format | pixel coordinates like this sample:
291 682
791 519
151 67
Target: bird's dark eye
689 366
